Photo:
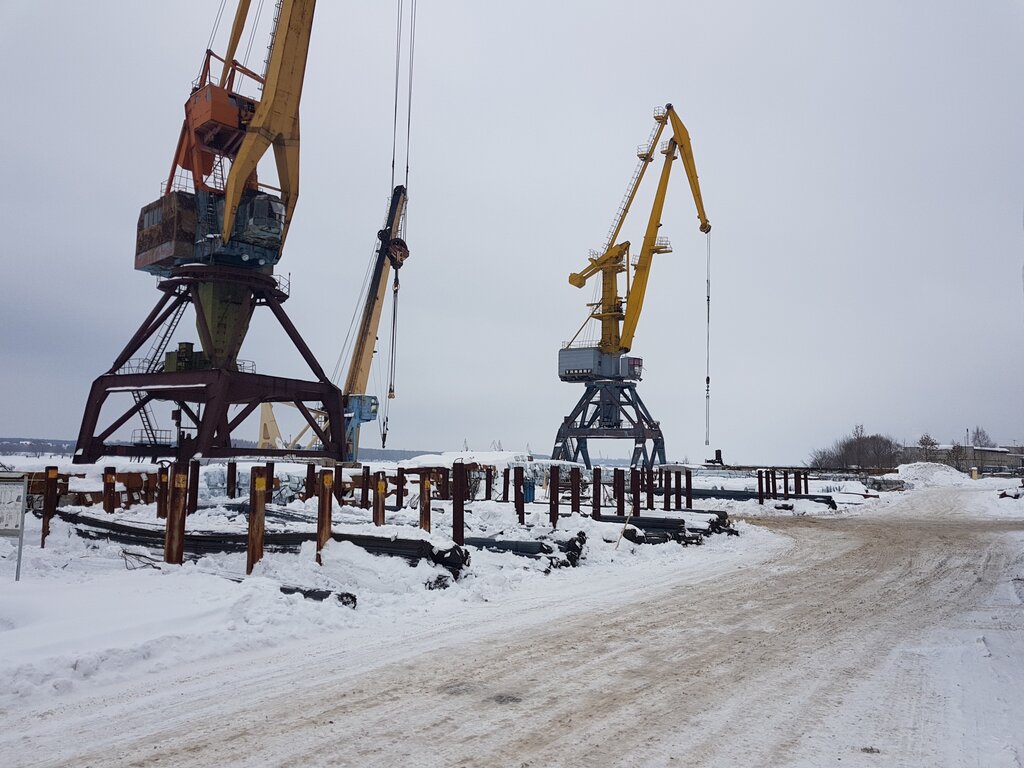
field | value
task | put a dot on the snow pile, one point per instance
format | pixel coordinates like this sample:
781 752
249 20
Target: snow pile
925 474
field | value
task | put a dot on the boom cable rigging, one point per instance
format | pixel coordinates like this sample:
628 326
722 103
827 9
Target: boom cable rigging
707 356
384 421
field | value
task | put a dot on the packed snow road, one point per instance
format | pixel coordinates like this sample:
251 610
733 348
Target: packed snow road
894 638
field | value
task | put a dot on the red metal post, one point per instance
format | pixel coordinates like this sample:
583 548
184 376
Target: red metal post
163 492
425 501
488 482
271 482
232 479
553 496
445 489
49 502
504 485
634 491
785 484
689 489
380 492
338 488
520 504
310 490
365 503
574 489
257 518
650 489
109 488
460 486
595 492
193 487
400 488
619 491
760 487
174 536
775 485
325 503
679 490
666 490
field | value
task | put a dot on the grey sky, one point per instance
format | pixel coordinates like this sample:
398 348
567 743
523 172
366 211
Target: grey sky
862 165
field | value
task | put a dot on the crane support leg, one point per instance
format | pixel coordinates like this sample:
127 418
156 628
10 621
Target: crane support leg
210 394
610 410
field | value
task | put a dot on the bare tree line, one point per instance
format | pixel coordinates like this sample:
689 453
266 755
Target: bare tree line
859 449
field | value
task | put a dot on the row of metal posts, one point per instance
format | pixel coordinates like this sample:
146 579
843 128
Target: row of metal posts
641 481
177 490
768 485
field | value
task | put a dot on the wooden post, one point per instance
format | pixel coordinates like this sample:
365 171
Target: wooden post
109 486
193 487
520 504
488 482
553 496
760 487
504 485
650 489
380 492
325 504
689 489
163 492
271 482
574 489
232 479
257 517
666 490
400 488
460 483
174 536
619 491
679 490
49 502
310 489
634 491
425 501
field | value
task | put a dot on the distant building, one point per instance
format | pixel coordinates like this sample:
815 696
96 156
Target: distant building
963 457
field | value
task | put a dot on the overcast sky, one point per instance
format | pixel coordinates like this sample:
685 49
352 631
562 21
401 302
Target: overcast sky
862 165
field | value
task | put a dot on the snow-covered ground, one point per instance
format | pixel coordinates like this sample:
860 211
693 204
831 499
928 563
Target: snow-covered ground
889 632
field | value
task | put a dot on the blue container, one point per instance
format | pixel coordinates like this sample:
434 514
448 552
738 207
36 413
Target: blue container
529 490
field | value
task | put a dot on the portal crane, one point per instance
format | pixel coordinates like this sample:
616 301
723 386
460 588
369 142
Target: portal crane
609 375
214 236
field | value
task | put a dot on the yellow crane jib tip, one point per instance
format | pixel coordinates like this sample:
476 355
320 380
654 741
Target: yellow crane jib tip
577 279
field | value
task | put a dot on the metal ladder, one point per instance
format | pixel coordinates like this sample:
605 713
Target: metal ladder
153 363
644 152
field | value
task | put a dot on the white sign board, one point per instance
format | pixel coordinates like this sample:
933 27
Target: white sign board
13 498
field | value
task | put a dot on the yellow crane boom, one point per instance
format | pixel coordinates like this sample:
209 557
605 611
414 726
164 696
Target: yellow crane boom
276 121
618 321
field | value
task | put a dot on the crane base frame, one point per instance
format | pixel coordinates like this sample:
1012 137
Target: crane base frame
205 397
599 415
